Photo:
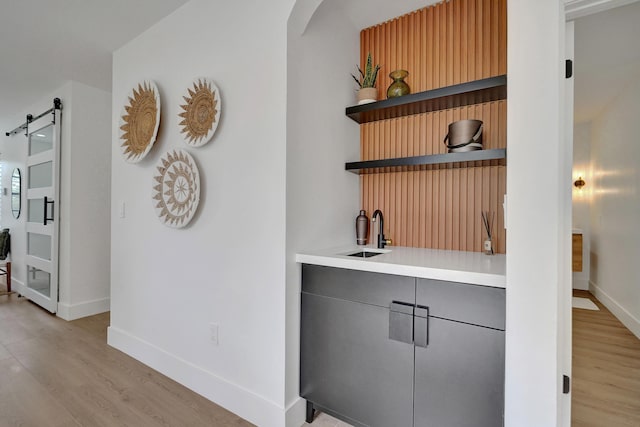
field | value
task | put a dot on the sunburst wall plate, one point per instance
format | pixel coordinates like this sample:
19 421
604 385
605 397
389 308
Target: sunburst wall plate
176 188
201 112
139 121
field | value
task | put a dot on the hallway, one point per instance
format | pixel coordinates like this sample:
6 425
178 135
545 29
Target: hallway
606 370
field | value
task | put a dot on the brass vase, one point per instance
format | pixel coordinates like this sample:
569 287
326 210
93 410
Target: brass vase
399 87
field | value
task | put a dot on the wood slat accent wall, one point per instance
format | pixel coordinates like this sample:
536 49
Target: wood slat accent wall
441 45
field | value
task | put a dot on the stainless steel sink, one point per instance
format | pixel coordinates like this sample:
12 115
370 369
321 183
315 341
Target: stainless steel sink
365 254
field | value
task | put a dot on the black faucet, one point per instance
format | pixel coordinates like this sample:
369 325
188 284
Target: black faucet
381 240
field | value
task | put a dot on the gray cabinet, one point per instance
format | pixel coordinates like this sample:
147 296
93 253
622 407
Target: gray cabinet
460 373
384 350
349 366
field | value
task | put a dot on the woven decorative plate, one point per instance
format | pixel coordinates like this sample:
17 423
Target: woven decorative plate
176 188
139 121
199 120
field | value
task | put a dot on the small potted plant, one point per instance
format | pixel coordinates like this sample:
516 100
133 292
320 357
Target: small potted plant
367 82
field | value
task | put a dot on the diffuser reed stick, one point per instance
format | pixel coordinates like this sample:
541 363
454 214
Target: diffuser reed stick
487 220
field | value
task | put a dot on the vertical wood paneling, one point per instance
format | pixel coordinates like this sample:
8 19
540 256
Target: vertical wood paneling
437 207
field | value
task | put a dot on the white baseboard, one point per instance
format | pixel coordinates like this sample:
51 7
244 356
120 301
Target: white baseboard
242 402
296 412
70 311
83 309
17 286
627 319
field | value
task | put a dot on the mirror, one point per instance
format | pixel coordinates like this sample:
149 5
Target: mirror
16 194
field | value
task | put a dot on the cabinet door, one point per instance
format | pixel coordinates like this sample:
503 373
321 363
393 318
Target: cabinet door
350 367
460 376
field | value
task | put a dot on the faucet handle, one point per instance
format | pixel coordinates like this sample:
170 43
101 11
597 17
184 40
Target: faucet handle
387 241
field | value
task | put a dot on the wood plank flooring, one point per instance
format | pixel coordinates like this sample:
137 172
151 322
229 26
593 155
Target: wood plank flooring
58 373
606 370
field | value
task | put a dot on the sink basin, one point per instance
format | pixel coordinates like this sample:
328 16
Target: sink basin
365 254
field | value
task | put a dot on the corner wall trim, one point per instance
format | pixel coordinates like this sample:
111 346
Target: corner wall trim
17 286
244 403
296 412
83 309
627 319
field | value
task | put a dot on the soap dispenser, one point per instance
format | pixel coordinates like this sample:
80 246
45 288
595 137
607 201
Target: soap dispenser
362 228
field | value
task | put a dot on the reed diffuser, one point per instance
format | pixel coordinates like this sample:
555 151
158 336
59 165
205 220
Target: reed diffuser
487 220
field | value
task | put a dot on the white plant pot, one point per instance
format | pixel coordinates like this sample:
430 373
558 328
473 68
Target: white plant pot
367 95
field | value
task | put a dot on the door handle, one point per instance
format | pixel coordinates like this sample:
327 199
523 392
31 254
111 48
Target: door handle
401 322
46 210
421 326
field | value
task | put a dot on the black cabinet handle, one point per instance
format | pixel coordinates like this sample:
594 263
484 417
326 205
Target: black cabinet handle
46 210
401 322
421 326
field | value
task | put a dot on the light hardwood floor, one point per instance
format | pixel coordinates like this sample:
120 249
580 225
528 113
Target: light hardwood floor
58 373
606 370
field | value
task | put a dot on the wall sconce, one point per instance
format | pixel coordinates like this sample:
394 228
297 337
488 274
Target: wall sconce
579 183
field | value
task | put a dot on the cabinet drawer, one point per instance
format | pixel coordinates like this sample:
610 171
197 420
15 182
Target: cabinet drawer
474 304
359 286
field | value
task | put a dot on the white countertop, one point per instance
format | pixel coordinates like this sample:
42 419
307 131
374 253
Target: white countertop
456 266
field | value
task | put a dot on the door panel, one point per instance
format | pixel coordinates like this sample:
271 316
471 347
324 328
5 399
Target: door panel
41 141
40 175
460 376
42 215
349 364
39 281
39 245
35 210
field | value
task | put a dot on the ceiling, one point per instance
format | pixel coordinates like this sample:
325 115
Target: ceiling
44 43
607 58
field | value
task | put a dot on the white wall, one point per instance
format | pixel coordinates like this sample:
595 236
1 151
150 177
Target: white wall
84 196
537 241
86 200
615 234
14 154
228 265
322 198
581 198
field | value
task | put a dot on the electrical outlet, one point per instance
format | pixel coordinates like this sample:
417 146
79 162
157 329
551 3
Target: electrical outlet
213 333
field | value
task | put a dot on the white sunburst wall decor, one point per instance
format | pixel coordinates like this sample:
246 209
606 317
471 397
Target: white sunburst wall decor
139 121
199 120
176 188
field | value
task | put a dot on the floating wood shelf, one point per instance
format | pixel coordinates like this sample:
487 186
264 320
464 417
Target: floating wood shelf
475 92
402 164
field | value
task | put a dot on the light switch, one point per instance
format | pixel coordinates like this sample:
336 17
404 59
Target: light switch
121 210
